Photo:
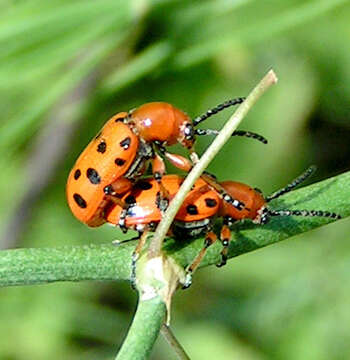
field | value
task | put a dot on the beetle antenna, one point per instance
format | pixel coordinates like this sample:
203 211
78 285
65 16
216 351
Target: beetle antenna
217 109
319 213
308 172
244 133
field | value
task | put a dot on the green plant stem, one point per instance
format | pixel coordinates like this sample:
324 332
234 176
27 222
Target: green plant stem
144 330
172 341
109 262
70 263
224 135
141 65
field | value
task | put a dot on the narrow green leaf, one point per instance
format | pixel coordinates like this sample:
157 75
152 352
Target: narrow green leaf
108 262
141 65
254 33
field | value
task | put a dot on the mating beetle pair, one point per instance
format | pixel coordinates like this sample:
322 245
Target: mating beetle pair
105 186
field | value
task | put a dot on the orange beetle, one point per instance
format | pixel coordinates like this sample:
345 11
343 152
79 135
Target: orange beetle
145 207
200 207
162 124
107 158
256 209
145 204
119 155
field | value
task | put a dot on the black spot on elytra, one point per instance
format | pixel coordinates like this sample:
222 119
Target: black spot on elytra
119 119
80 201
119 161
98 135
77 174
143 185
130 200
93 176
101 147
125 143
192 209
210 202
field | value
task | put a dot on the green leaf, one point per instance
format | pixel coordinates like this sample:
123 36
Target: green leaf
109 262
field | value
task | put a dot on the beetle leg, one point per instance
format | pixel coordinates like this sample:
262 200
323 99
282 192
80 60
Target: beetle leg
113 193
158 169
225 238
209 240
186 165
194 156
117 189
122 219
179 161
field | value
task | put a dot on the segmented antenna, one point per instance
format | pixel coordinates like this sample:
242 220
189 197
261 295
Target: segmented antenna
293 184
217 109
320 213
244 133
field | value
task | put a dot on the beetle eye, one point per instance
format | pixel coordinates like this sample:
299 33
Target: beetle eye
189 132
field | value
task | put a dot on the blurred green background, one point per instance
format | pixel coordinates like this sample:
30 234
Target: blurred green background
66 67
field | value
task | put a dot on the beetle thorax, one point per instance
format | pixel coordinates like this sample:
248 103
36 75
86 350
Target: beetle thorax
159 121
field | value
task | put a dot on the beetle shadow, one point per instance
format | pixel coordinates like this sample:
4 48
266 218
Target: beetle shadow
172 245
